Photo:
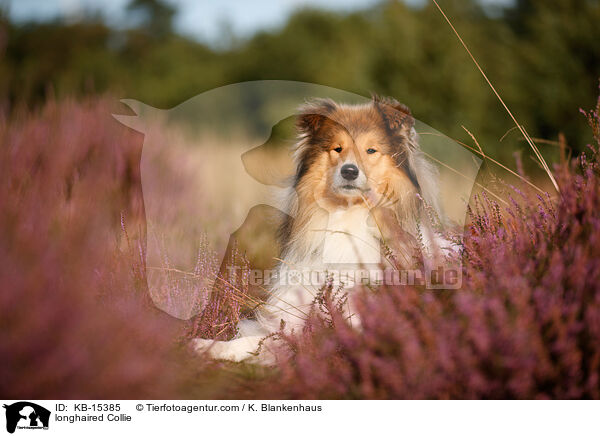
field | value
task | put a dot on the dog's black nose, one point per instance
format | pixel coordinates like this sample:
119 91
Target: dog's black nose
349 171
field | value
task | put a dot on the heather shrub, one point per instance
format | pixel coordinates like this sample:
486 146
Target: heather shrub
526 323
222 305
75 317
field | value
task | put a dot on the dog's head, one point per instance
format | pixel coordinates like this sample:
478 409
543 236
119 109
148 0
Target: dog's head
354 154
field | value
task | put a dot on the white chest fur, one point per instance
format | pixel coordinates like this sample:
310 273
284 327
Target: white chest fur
349 239
330 245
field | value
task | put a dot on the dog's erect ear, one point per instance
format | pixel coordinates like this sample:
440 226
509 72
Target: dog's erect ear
396 116
314 115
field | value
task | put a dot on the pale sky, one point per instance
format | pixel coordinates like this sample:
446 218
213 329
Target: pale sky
202 19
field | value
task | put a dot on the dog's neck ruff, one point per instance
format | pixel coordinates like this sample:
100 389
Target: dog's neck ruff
341 238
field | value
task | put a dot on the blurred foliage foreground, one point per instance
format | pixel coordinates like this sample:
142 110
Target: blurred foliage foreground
77 320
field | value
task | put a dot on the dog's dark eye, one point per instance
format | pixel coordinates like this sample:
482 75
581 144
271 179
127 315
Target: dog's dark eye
338 149
371 150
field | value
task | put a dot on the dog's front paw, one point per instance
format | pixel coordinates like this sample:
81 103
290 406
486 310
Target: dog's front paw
201 346
236 350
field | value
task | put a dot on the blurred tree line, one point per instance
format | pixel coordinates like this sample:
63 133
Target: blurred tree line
542 55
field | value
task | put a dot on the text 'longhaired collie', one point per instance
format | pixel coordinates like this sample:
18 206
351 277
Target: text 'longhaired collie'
362 187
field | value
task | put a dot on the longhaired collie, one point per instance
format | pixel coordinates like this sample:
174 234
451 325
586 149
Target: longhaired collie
359 200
